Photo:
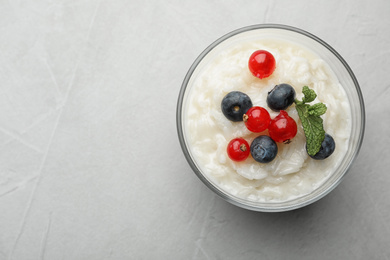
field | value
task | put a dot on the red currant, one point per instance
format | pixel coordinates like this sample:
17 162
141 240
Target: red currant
262 64
282 128
238 149
257 119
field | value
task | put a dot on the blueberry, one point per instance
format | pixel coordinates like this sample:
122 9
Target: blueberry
327 148
235 104
281 97
263 149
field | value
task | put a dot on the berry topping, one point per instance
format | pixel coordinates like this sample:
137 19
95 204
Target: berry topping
257 119
238 149
282 128
327 148
281 97
264 149
235 104
262 64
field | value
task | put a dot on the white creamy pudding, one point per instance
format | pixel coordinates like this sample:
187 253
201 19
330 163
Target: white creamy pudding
207 131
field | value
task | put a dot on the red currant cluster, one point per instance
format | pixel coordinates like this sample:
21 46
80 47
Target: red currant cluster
281 129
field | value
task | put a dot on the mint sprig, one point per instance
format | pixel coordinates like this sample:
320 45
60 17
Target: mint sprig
312 122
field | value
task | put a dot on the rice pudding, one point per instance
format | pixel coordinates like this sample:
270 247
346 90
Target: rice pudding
292 173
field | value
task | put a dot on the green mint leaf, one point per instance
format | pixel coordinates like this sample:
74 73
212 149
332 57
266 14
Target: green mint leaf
311 121
310 95
315 134
317 109
297 102
303 110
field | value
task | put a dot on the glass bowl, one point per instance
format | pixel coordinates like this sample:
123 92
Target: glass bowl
343 74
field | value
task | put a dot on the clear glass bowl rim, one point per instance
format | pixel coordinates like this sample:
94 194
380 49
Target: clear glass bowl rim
242 202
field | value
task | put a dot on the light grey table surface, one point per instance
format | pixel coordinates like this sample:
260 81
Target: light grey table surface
90 163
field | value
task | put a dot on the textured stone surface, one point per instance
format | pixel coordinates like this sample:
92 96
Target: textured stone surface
90 163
